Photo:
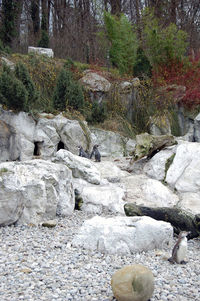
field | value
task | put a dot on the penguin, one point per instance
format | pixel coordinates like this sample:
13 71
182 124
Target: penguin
82 153
179 252
96 153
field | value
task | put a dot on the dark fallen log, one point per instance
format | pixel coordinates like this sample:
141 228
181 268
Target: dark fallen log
181 220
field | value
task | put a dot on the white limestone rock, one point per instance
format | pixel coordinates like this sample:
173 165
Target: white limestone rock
54 129
24 126
42 189
190 201
95 82
81 167
123 235
9 143
110 143
96 198
184 173
156 167
42 51
109 170
148 192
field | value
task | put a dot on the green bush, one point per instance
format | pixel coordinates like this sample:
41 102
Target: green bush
21 72
142 67
67 92
13 93
98 113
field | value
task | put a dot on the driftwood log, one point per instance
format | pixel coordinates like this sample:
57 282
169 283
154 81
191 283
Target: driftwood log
148 145
181 220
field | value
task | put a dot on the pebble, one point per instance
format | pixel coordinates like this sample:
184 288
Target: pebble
39 263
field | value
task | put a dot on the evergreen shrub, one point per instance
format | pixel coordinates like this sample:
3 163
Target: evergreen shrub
13 93
21 72
98 113
67 92
142 67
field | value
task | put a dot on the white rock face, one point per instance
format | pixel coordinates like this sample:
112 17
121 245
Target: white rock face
96 198
50 131
24 126
190 202
43 51
123 235
184 173
109 170
197 128
81 167
184 176
148 192
95 82
155 167
9 143
11 200
37 190
111 144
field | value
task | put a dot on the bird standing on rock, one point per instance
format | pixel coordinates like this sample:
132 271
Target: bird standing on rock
82 153
96 153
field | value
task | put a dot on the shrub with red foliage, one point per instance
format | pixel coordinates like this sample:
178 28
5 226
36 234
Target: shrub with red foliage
185 73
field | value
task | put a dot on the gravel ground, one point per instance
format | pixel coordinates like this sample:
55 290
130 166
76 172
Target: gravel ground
38 263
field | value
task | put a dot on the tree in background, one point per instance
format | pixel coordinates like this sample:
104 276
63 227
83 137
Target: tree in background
162 45
8 31
44 40
123 42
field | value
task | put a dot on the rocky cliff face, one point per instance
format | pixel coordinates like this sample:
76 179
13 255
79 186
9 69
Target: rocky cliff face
23 138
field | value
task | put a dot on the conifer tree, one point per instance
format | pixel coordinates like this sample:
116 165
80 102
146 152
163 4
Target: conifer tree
8 32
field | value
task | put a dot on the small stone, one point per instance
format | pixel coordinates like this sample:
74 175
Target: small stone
26 270
49 223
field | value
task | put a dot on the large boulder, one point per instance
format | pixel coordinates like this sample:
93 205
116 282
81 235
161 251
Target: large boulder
133 283
81 167
95 82
110 171
9 143
158 165
123 235
184 175
96 198
149 192
112 144
34 191
42 138
56 132
24 127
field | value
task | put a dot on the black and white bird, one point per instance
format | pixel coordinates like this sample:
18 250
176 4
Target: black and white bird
82 153
96 153
179 252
